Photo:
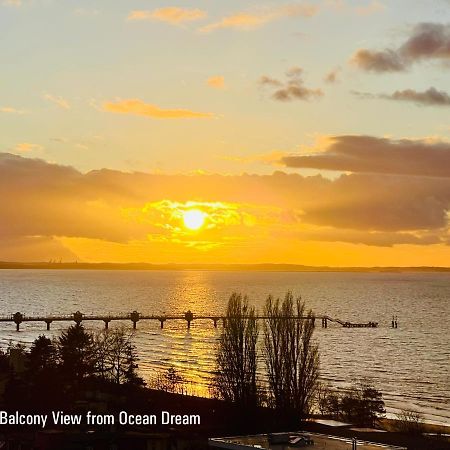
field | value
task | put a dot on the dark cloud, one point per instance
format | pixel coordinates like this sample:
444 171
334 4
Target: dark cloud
379 61
384 203
265 80
292 88
430 97
379 155
428 41
377 239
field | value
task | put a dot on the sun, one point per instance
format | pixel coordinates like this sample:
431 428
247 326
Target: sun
194 219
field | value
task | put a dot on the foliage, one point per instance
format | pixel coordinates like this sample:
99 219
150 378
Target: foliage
235 379
43 355
292 359
4 362
327 400
361 405
409 421
76 353
115 357
169 380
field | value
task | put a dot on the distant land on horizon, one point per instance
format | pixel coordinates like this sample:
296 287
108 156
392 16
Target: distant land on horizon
263 267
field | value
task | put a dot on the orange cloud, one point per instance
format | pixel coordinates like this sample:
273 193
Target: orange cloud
217 82
139 108
25 147
11 110
172 15
249 21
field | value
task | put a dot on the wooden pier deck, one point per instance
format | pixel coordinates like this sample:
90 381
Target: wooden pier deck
18 318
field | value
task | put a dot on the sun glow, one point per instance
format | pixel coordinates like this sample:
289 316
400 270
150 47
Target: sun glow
193 219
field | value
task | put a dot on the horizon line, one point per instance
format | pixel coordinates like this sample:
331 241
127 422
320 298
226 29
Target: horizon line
273 267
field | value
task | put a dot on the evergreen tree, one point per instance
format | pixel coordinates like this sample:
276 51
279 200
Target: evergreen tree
76 353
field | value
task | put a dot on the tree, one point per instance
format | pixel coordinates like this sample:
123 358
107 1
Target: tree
115 357
409 421
76 353
42 356
362 405
235 379
327 401
170 381
292 359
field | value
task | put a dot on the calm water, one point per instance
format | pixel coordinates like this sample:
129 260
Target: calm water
411 364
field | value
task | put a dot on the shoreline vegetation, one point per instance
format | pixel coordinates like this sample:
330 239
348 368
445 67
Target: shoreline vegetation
81 371
263 267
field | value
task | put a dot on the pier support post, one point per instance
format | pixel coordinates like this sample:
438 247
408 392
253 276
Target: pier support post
215 320
161 322
134 316
106 323
313 322
18 319
189 317
48 322
78 317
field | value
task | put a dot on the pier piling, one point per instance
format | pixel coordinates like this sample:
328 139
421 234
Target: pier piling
189 317
78 317
134 316
18 318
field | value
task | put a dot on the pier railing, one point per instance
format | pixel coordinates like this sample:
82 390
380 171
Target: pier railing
18 318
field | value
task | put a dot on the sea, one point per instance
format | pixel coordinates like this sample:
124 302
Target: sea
409 364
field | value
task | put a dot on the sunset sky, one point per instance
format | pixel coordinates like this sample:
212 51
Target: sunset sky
308 132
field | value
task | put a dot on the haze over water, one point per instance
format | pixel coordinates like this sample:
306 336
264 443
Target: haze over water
409 364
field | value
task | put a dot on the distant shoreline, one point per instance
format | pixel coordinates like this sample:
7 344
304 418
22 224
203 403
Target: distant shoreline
212 267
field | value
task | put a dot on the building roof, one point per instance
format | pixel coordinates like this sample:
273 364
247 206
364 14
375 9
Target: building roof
294 440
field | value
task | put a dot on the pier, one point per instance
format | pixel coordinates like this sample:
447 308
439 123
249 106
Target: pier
18 318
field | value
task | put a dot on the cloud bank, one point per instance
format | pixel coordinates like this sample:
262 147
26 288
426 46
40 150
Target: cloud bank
49 203
367 154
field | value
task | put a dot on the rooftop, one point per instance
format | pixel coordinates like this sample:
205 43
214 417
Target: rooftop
295 440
